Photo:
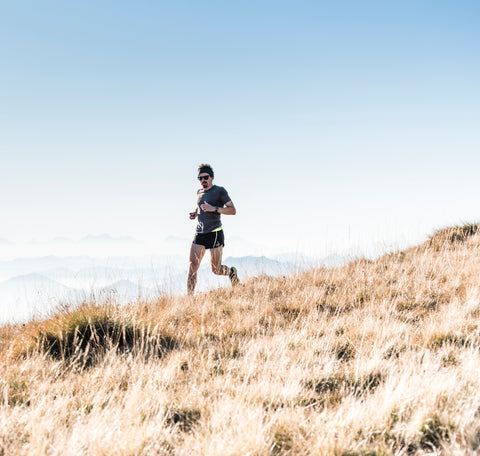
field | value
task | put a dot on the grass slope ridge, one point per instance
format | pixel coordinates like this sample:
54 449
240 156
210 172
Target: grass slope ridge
374 358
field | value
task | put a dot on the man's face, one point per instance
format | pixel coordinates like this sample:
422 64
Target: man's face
205 180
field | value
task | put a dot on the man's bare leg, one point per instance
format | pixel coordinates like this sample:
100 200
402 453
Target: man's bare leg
196 255
216 261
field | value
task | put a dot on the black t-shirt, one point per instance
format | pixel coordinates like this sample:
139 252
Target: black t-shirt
209 221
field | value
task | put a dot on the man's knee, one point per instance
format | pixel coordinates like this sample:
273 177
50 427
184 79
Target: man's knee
217 269
194 265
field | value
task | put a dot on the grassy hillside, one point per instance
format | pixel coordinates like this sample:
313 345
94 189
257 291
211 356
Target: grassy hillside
374 358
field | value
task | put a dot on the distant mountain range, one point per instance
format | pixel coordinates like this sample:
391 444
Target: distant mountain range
106 238
126 289
88 239
31 285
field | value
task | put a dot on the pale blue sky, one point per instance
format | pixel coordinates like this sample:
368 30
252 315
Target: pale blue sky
324 120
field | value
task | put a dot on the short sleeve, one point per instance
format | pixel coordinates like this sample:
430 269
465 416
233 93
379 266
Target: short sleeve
224 198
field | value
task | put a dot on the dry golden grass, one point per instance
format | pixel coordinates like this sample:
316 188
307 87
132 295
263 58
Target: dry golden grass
374 358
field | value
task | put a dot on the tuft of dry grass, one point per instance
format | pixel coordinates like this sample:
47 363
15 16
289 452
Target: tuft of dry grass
373 358
452 235
82 335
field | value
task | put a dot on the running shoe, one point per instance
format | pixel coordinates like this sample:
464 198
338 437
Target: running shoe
234 276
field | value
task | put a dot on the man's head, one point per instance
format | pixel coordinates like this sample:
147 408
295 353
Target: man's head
205 176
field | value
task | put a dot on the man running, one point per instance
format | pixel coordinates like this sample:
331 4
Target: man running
212 201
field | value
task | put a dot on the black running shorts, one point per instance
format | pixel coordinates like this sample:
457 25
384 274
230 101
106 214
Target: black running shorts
210 240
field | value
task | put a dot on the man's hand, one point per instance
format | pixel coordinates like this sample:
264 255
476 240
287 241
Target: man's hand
193 215
206 207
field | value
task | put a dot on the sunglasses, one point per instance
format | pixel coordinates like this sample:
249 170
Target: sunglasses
200 178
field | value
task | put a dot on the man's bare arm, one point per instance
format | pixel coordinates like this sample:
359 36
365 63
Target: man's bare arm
228 209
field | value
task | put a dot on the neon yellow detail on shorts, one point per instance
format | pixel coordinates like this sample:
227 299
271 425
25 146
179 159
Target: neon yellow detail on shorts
217 229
